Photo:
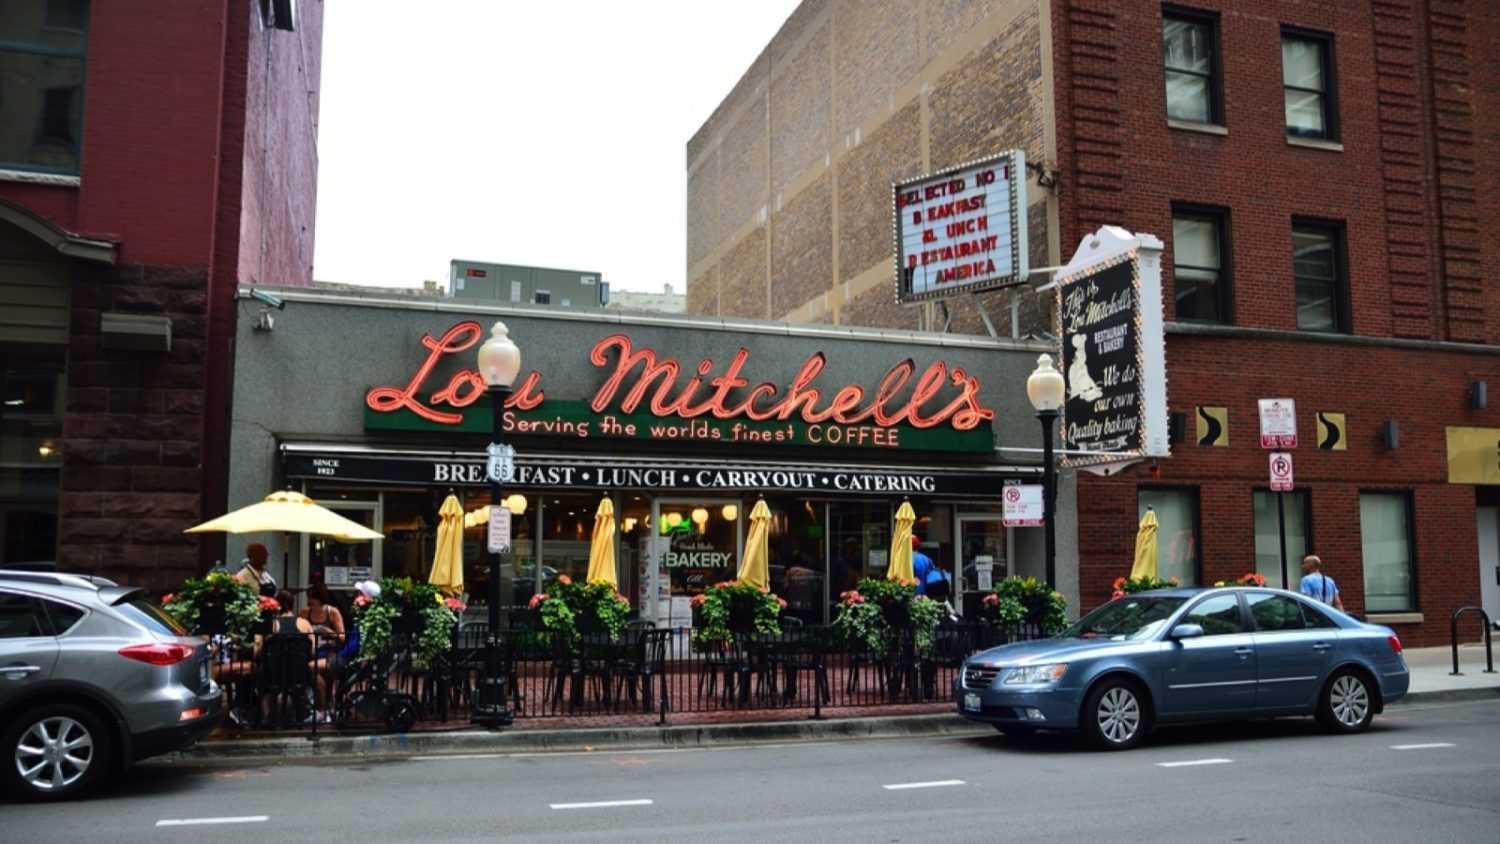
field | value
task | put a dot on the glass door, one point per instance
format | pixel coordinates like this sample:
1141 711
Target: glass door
339 565
981 558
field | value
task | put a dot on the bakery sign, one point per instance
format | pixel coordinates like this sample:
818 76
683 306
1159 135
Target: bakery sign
961 230
647 396
1113 350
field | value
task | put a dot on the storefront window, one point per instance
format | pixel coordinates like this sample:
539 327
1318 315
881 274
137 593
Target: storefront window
797 556
1385 524
1177 531
31 386
1268 536
634 555
701 543
859 543
567 531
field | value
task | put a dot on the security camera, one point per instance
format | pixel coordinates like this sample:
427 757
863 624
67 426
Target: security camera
267 299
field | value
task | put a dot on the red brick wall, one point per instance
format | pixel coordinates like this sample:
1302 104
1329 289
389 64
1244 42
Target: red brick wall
1406 75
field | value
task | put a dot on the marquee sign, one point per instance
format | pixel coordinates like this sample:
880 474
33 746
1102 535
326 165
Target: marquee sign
962 229
466 470
1113 349
645 396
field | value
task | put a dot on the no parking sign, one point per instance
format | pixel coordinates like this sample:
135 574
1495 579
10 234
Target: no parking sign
1281 471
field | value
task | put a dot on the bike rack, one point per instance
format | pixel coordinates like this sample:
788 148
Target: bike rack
1489 654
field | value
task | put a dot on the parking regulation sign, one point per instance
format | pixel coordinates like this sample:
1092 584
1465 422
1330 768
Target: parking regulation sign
1278 423
1281 471
1022 505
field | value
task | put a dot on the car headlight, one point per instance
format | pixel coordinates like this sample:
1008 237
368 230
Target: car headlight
1035 675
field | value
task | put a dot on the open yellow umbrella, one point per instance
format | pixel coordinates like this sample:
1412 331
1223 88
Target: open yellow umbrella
900 562
755 567
602 550
288 512
1145 547
448 559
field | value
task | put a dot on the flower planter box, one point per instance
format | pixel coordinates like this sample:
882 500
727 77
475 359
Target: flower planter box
211 621
408 623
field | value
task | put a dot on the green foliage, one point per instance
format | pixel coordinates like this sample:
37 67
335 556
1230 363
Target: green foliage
241 603
398 595
730 607
873 615
1143 584
569 606
1015 600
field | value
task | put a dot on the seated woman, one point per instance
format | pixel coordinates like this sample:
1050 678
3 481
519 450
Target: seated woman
288 623
328 626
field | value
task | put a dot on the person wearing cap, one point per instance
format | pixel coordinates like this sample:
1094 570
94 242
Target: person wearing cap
254 572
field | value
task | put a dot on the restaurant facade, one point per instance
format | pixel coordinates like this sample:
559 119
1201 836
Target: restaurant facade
374 408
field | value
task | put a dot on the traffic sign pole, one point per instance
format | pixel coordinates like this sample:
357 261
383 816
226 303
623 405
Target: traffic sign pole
1281 528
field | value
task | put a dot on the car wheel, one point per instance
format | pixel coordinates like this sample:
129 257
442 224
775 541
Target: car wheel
1347 705
55 752
1116 715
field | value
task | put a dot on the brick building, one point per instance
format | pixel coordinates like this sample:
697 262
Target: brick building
149 165
1322 175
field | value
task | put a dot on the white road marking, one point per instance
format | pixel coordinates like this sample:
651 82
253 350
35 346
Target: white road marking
1188 763
205 821
602 804
933 784
1430 744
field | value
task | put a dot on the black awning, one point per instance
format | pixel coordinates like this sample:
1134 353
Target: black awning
395 467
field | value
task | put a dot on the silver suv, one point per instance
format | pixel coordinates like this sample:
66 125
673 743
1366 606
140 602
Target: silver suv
93 677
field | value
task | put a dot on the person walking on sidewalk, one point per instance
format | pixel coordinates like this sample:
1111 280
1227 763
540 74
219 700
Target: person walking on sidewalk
1316 584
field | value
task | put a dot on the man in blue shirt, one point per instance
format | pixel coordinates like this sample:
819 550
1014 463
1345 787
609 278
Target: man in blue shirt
921 564
1316 584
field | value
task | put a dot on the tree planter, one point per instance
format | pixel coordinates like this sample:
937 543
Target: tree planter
211 621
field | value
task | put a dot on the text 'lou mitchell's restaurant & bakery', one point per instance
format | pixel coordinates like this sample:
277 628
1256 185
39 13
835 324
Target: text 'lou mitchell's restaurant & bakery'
376 409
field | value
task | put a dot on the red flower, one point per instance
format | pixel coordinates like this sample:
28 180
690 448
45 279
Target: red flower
167 598
781 601
698 601
456 605
1173 581
992 600
1117 595
564 580
536 600
269 604
362 601
1119 583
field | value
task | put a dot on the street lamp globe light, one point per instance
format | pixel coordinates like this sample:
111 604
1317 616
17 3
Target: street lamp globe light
1045 387
499 358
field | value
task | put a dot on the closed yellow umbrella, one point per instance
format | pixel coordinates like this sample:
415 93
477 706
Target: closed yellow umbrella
900 565
602 550
448 559
755 568
1145 547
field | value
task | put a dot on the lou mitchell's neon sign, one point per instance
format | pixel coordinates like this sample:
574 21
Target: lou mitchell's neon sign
640 377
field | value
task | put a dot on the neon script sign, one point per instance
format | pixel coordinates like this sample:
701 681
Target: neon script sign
638 380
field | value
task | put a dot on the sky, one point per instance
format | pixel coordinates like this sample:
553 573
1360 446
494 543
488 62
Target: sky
548 133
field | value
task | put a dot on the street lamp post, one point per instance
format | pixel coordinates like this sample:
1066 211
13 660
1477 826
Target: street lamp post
499 363
1045 388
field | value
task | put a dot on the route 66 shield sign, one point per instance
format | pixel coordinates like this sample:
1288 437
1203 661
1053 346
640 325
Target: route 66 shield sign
502 463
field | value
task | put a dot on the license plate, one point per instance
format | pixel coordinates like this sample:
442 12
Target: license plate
972 703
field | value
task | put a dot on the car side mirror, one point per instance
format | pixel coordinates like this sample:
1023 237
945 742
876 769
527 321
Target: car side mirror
1187 631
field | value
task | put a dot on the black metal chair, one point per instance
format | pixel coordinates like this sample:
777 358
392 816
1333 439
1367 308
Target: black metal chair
804 651
724 659
641 660
285 678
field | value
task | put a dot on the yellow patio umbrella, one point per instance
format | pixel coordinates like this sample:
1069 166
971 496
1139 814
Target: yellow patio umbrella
288 512
900 564
602 550
755 567
448 559
1145 547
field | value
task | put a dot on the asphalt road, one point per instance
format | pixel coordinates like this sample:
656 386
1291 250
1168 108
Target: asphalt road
1428 774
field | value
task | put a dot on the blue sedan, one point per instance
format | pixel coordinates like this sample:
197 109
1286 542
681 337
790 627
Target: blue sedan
1188 655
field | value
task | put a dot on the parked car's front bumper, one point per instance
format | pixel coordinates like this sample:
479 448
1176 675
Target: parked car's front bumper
1057 708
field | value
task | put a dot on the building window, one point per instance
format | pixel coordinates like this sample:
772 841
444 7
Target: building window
1177 531
43 47
1200 255
1307 84
1296 507
1385 529
1190 55
1318 266
542 297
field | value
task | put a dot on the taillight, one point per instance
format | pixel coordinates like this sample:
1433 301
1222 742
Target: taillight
1395 643
160 653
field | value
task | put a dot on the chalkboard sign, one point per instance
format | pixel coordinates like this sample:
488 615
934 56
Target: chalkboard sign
1101 358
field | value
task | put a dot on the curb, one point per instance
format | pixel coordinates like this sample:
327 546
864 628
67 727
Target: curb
1448 696
609 738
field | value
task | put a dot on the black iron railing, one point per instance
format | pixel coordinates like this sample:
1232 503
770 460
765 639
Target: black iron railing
300 682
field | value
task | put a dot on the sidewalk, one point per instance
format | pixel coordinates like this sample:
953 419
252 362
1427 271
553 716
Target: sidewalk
1430 682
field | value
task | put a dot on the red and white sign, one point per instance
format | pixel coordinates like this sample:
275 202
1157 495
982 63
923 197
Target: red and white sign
962 229
1281 471
1278 423
1023 506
